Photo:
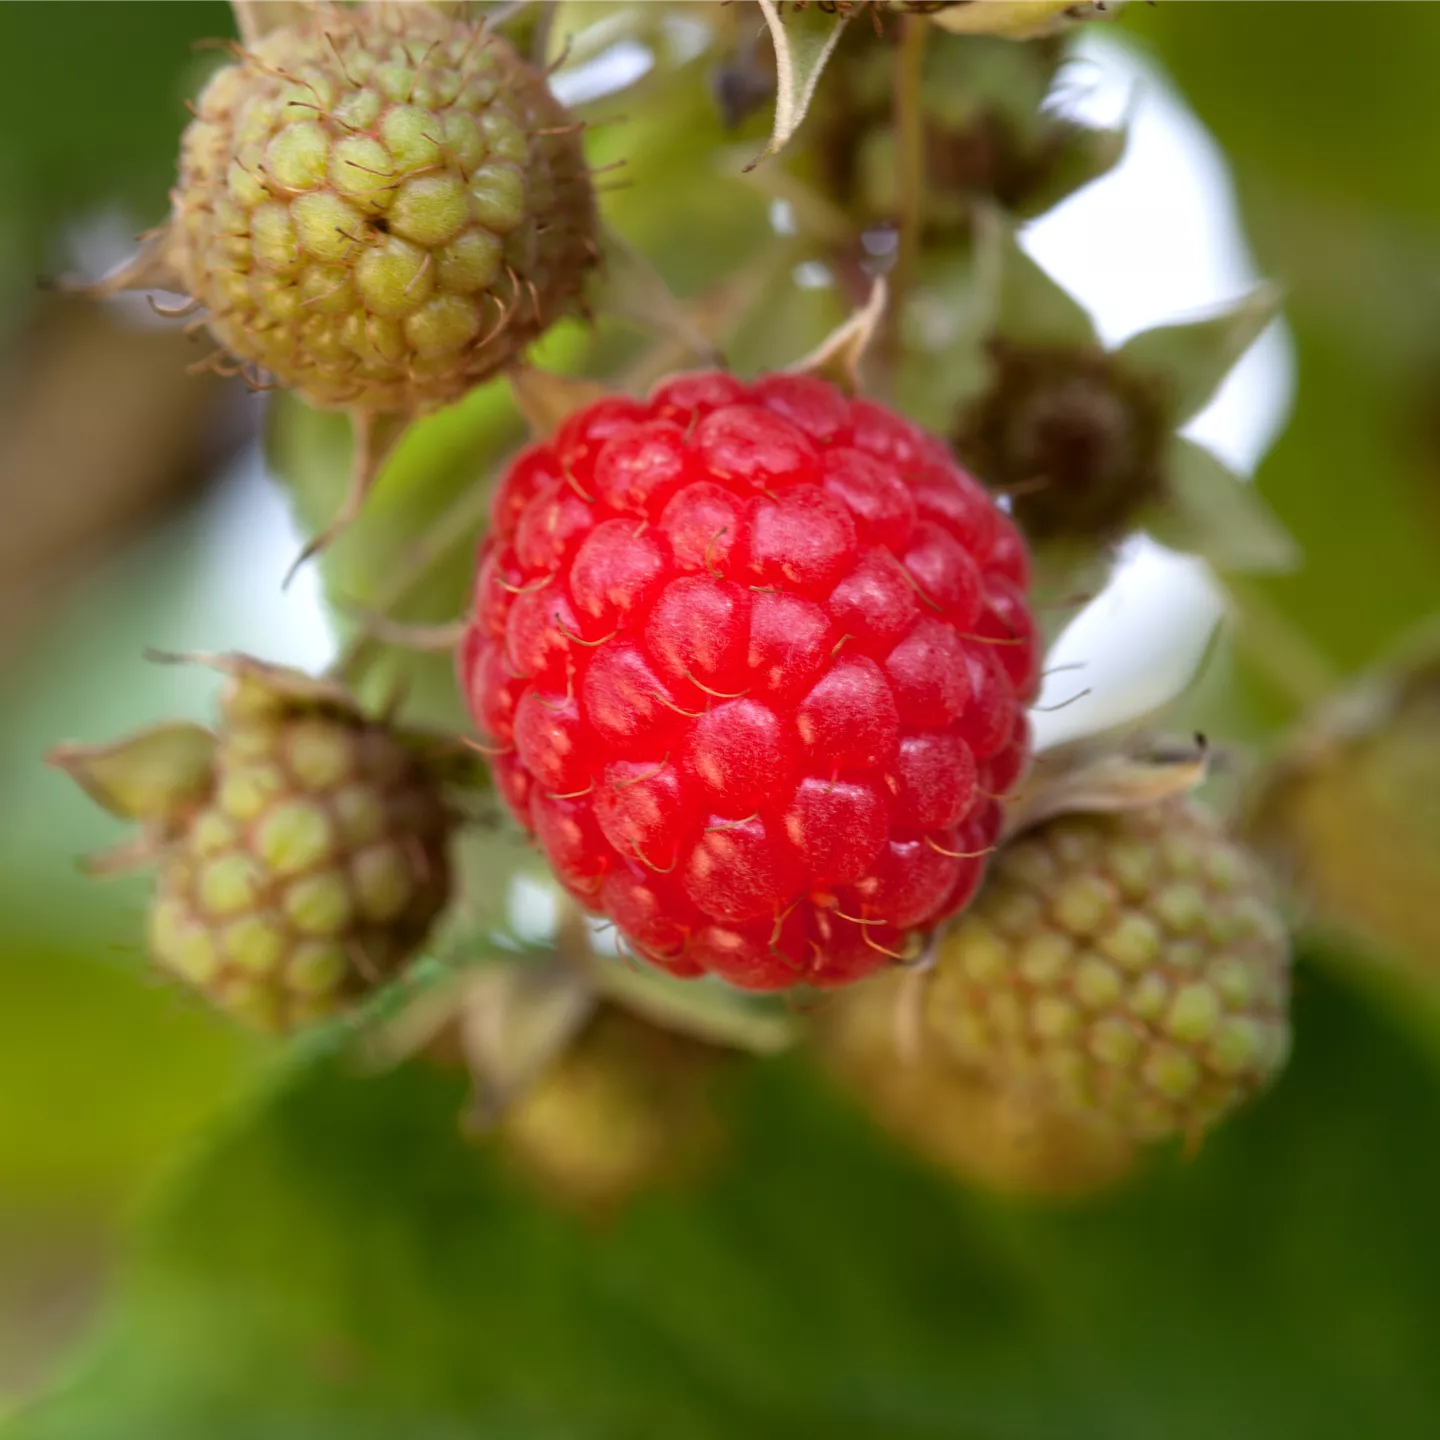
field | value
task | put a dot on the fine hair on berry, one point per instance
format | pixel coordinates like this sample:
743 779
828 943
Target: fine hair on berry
755 659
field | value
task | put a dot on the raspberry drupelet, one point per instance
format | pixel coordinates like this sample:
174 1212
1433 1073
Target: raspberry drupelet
754 660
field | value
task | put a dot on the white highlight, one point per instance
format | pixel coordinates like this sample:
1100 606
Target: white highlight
613 69
1154 241
812 275
532 910
250 541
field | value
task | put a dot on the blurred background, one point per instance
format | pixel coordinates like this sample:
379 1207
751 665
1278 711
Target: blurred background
138 509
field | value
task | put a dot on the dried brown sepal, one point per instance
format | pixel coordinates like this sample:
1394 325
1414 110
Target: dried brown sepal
804 41
151 267
1086 778
840 356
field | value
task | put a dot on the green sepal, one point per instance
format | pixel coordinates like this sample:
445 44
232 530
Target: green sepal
1082 157
1194 358
1210 511
1024 305
631 289
148 776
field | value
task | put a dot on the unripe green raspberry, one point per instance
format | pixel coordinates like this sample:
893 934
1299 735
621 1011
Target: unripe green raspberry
302 848
1349 811
1129 968
623 1110
954 1116
381 206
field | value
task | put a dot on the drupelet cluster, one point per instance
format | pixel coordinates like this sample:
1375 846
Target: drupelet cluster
754 661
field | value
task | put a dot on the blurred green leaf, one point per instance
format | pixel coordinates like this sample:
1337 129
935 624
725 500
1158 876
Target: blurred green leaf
116 1071
1324 113
91 111
1334 99
343 1265
410 555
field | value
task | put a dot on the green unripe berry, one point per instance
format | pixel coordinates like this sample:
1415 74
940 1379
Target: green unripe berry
383 155
1128 969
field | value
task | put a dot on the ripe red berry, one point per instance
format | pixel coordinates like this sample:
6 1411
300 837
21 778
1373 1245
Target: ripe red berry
753 657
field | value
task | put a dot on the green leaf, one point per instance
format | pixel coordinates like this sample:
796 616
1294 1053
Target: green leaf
804 40
1192 359
409 555
1321 113
344 1267
1210 511
134 66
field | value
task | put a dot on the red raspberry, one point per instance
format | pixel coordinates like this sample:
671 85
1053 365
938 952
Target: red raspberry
756 659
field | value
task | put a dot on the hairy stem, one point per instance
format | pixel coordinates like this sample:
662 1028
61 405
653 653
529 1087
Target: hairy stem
910 166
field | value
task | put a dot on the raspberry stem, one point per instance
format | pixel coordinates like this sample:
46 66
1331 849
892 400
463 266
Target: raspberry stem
910 162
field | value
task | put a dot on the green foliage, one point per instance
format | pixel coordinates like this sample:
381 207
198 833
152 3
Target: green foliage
1323 118
344 1265
89 112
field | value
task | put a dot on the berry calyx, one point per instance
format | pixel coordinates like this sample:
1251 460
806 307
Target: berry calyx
1079 440
1130 969
748 653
